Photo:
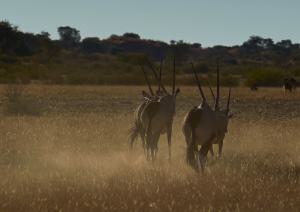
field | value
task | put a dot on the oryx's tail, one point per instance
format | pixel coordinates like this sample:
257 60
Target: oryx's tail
189 133
133 133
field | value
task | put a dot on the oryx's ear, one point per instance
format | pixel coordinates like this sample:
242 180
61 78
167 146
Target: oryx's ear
230 115
177 91
146 95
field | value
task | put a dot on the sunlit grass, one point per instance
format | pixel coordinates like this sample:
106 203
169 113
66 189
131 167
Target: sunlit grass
75 157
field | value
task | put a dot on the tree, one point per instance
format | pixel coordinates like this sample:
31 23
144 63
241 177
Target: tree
267 43
179 50
8 37
196 45
70 37
28 44
257 42
283 49
131 35
172 42
284 44
45 35
92 45
257 48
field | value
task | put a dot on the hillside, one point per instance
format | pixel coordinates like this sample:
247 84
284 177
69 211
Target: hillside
116 60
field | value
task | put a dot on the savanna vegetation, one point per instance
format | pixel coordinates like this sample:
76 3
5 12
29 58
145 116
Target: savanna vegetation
116 60
69 152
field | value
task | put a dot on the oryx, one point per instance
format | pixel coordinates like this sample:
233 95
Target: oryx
254 87
290 84
157 117
137 128
203 126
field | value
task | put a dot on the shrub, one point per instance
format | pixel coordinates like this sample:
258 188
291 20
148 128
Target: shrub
225 80
265 77
230 81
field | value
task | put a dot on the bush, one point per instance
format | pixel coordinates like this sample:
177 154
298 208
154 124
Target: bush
265 77
229 81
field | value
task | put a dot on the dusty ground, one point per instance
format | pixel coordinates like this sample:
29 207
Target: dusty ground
75 156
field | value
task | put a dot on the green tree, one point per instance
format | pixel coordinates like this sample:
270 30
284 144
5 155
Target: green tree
92 45
131 35
70 37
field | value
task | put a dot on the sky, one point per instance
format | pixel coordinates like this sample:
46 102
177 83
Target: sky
209 22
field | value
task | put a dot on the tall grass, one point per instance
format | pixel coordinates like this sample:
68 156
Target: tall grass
76 157
17 103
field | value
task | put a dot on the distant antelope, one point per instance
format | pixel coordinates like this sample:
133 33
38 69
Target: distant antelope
204 126
157 117
253 87
290 84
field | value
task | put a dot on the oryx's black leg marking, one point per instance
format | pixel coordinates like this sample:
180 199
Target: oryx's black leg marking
203 154
220 148
169 137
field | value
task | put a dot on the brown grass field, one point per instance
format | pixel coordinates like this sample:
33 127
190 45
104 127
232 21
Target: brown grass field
75 155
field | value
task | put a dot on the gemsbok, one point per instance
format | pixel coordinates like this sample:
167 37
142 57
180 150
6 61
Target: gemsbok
157 116
137 128
254 87
290 84
204 126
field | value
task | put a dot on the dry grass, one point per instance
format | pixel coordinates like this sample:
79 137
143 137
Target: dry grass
16 103
75 157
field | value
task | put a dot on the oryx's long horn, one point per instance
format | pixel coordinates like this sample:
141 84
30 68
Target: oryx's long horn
174 75
218 88
160 73
156 77
228 100
211 91
198 83
147 81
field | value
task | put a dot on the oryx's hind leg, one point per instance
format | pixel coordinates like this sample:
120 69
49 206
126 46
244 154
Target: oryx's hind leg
190 151
169 137
220 149
151 142
203 154
211 150
147 151
148 140
148 154
144 145
154 142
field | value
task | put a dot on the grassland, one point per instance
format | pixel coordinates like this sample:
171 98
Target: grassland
75 157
